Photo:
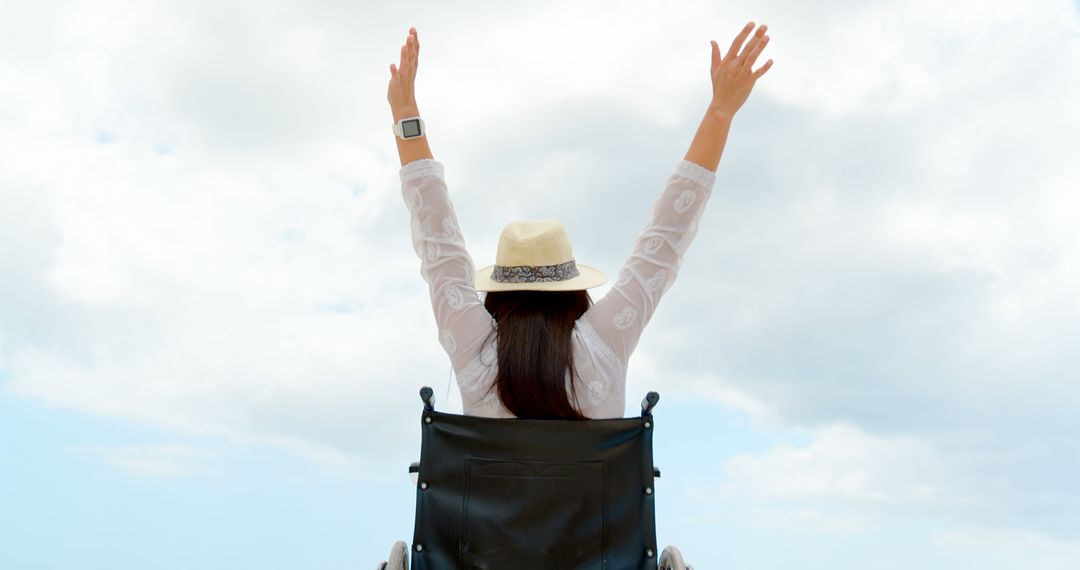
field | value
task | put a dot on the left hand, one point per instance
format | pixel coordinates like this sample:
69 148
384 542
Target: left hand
400 93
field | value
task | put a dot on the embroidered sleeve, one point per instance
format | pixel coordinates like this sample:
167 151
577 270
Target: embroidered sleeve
621 315
445 264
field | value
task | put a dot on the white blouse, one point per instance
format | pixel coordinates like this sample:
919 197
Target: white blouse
602 339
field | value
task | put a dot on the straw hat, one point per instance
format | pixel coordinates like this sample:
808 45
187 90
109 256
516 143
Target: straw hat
535 255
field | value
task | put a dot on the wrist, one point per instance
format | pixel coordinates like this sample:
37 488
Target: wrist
404 111
718 113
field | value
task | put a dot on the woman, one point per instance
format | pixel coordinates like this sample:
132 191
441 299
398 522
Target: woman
537 346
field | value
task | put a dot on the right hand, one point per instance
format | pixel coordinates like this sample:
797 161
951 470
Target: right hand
732 78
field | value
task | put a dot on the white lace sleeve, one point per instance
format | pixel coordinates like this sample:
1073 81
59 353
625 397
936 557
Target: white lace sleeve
621 315
445 264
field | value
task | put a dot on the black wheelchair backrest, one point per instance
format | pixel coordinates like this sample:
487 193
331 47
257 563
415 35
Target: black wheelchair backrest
526 494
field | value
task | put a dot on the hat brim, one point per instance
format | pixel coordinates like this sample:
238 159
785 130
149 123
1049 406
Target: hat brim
588 277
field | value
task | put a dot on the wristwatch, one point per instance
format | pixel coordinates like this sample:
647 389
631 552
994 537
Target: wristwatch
410 128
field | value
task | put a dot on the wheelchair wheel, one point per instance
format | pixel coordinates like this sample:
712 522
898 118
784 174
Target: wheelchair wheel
671 559
399 558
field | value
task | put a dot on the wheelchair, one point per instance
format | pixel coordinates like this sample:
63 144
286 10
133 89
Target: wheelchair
523 494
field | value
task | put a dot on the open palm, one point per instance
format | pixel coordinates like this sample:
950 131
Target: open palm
733 75
400 92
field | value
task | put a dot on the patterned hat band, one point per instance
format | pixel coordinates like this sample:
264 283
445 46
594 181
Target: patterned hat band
534 273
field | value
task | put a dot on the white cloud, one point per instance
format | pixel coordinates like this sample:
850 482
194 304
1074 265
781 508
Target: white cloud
201 227
846 465
163 460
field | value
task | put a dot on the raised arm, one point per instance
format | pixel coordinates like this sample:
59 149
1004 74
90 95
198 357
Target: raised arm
402 98
620 317
445 263
732 80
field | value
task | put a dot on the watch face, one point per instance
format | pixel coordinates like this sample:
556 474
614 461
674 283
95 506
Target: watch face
410 128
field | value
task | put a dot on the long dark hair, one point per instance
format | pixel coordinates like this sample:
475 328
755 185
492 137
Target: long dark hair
534 350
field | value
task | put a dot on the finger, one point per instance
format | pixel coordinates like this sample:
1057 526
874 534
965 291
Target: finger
407 60
753 55
754 41
762 70
412 59
734 49
401 64
715 54
393 72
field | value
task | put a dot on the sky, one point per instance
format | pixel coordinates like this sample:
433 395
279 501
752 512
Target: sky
213 327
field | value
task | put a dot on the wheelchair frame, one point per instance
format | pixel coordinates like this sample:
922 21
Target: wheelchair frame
527 494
